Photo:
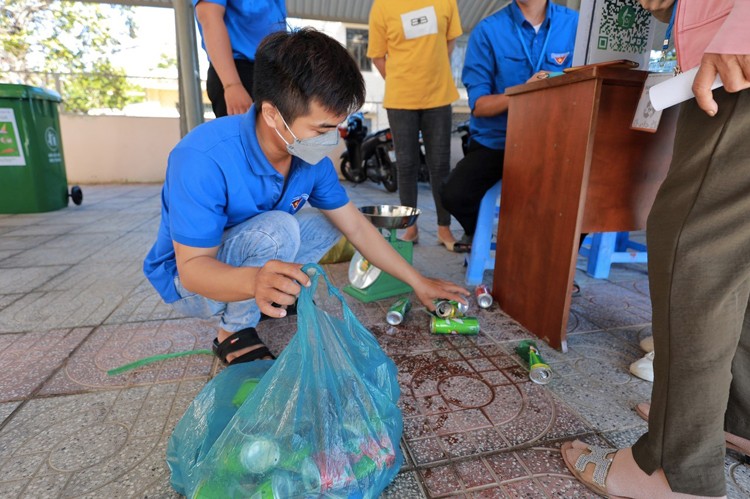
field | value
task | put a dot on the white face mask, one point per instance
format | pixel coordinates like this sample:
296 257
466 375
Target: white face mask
311 150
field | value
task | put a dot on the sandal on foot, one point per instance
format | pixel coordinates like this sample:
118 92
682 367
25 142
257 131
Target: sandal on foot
244 338
601 459
455 246
644 408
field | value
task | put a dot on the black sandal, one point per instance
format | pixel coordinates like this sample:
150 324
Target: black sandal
244 338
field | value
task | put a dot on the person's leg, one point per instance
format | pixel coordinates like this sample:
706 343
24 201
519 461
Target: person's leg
698 234
736 421
699 272
215 88
436 127
215 91
317 235
273 235
463 190
405 130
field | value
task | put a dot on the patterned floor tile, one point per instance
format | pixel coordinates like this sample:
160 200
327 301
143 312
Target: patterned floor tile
106 444
115 345
28 359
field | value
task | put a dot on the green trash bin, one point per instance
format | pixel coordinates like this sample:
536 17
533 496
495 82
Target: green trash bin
32 167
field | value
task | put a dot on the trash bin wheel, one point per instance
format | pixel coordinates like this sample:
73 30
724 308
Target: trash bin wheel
76 194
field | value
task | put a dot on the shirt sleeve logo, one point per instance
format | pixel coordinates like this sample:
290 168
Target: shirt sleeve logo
560 58
418 23
298 203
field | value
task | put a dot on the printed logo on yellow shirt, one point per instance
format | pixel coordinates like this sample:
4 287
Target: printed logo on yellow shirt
421 22
560 58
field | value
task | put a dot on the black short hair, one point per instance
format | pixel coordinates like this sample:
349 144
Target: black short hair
294 68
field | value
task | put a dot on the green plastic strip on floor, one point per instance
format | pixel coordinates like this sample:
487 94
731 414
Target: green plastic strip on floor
155 358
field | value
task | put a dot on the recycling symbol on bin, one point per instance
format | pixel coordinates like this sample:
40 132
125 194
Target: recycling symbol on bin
50 136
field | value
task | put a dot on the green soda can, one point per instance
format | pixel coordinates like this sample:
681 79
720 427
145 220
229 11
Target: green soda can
397 312
454 325
539 371
450 308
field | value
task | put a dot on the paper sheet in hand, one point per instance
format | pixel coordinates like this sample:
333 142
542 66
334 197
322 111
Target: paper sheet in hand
676 90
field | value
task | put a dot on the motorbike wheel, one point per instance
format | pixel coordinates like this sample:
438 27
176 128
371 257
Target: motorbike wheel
390 181
349 174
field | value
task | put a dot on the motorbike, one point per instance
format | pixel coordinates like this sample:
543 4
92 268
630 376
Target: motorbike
372 156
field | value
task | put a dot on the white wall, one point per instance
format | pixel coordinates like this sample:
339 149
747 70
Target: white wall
123 149
117 149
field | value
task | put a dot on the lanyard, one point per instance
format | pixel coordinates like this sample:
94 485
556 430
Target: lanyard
536 67
668 35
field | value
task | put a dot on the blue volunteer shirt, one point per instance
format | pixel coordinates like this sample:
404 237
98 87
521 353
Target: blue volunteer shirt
218 177
248 22
504 50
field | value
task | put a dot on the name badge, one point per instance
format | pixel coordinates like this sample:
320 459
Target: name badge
420 22
646 116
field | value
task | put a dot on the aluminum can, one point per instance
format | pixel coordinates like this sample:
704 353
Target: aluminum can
483 296
397 312
259 454
454 325
305 482
539 372
450 308
335 471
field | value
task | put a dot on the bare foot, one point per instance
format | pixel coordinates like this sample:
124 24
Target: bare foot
411 234
222 335
445 236
625 478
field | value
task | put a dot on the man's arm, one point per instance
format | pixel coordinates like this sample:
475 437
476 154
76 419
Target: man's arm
374 247
219 48
201 273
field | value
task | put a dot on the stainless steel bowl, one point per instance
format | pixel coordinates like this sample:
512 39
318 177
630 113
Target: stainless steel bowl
391 217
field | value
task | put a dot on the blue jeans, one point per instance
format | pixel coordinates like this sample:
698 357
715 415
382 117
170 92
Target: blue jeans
274 235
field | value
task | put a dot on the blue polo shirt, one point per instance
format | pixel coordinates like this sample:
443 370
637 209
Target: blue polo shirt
248 22
218 177
504 50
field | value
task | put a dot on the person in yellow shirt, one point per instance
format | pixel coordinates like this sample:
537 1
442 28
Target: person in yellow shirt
410 44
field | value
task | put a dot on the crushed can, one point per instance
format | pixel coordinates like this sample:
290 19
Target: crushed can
259 454
450 308
483 296
397 312
454 325
539 371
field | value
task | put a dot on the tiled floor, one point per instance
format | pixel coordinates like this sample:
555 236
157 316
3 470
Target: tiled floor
74 303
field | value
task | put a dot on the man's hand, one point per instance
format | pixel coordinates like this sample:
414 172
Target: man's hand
429 290
660 9
278 282
734 70
237 99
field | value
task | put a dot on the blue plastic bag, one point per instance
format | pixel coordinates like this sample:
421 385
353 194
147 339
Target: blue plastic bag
320 421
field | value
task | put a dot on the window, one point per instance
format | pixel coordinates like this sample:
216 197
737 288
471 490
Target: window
356 44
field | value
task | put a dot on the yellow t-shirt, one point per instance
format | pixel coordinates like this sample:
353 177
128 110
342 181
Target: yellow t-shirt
413 35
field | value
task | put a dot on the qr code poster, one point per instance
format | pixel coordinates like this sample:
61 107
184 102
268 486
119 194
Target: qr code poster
613 29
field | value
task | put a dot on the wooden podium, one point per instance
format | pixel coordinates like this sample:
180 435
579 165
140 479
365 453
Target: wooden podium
572 166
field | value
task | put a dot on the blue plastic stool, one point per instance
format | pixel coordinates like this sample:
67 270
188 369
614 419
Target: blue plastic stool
606 248
480 258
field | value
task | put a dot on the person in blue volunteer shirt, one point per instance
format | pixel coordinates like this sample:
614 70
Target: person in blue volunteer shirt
233 235
231 31
526 40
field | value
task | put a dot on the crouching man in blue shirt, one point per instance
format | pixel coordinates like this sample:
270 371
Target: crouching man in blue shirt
526 40
232 239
